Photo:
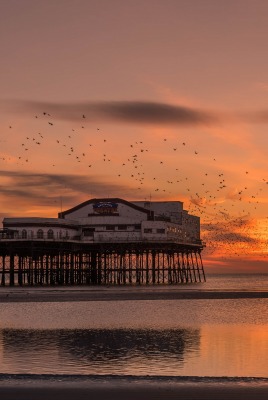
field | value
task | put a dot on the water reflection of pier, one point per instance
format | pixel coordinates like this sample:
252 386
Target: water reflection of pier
98 350
71 263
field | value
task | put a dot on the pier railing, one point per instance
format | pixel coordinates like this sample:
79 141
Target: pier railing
104 240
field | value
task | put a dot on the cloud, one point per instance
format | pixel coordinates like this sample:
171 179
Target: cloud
199 202
44 189
136 112
234 265
233 238
232 232
144 112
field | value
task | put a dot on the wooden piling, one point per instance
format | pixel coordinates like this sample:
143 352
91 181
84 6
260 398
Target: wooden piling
51 263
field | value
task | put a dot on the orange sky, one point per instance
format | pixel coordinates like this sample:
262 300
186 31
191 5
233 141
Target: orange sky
174 95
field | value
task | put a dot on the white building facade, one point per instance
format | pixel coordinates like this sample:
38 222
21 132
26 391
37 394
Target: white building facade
111 220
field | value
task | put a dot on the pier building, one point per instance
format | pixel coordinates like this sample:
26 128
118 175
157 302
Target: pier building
104 241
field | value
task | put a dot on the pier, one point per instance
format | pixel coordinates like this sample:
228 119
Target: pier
58 263
104 242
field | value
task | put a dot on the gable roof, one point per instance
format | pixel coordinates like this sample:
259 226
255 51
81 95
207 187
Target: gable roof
149 213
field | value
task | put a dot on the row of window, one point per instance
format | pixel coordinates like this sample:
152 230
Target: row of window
40 234
88 232
121 227
149 230
174 229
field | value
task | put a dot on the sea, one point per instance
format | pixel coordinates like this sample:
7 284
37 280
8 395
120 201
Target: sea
143 338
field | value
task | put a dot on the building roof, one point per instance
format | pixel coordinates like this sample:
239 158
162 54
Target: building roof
149 213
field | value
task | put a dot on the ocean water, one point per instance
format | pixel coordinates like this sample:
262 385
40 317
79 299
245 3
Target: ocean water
178 338
252 282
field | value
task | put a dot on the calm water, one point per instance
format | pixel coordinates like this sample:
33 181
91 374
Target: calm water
237 282
170 338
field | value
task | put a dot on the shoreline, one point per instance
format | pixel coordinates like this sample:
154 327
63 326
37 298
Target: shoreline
132 388
112 293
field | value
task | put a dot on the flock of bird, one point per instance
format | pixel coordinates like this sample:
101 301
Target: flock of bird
226 213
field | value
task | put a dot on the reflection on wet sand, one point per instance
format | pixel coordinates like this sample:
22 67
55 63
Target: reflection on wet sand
97 351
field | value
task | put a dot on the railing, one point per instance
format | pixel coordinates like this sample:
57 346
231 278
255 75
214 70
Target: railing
35 237
103 239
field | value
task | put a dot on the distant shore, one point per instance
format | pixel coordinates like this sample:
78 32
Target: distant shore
122 388
105 293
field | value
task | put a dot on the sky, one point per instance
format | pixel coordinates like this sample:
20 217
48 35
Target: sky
140 99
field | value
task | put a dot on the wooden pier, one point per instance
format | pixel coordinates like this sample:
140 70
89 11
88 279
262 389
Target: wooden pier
71 263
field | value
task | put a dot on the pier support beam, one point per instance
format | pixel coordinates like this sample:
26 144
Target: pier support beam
52 263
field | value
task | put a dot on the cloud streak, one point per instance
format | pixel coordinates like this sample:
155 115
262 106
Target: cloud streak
134 112
137 112
44 189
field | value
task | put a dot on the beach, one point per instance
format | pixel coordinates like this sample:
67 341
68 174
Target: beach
109 293
130 388
114 386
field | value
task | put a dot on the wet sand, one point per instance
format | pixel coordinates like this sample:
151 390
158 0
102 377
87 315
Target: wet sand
120 388
94 293
14 387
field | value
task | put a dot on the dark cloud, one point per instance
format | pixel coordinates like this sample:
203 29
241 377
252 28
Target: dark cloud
46 189
233 238
119 111
136 112
231 231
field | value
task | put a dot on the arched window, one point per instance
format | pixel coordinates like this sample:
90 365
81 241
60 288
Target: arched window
24 234
40 234
50 234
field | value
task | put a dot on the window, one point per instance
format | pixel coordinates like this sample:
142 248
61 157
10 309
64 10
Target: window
88 231
160 230
50 234
147 230
137 227
110 227
24 234
122 227
40 234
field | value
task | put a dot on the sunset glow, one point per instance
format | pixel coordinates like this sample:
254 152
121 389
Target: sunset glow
168 102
